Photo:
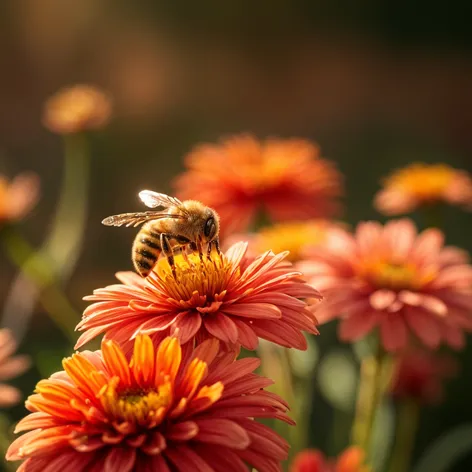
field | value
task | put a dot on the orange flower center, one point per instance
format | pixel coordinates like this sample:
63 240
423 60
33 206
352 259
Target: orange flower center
395 275
426 182
292 236
200 281
136 405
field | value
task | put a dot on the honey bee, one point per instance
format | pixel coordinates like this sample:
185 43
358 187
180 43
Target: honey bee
177 225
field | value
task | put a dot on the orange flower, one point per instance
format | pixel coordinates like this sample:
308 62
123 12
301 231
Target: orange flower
424 184
163 410
420 375
392 278
312 460
287 179
77 108
232 297
18 197
9 367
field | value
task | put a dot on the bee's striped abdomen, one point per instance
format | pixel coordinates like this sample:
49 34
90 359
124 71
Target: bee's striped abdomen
146 250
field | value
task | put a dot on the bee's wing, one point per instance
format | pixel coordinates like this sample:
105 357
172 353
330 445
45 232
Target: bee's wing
153 199
135 219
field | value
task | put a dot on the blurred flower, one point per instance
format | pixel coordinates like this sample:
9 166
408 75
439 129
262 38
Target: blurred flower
9 367
424 184
18 197
292 236
312 460
396 279
77 108
163 410
286 179
232 297
420 374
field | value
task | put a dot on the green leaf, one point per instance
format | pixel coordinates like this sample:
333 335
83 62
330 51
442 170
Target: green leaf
446 450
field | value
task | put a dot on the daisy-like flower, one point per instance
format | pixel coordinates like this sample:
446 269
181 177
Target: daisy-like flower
419 375
9 367
284 178
18 197
424 184
313 460
161 411
292 236
232 297
393 278
77 108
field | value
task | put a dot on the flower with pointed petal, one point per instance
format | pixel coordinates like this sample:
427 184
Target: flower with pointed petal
285 178
163 410
232 297
421 184
393 278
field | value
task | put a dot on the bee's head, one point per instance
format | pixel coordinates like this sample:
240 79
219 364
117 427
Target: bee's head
211 226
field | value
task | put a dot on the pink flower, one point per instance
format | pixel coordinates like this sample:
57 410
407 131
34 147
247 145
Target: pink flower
420 374
9 367
395 279
232 297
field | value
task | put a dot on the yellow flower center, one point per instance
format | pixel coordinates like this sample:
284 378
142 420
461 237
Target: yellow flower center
426 182
396 275
291 237
136 405
201 282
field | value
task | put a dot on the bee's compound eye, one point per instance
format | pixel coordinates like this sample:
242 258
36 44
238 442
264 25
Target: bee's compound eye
210 227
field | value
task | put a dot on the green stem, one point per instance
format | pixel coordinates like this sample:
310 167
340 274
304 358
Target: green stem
38 270
275 365
65 239
407 425
368 400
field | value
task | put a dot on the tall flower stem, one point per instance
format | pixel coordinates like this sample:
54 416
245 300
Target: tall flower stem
62 246
407 426
65 239
37 268
368 400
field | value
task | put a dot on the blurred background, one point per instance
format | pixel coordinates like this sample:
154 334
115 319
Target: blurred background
376 84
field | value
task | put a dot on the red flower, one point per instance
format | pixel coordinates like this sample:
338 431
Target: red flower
312 460
231 297
420 375
287 179
395 279
161 411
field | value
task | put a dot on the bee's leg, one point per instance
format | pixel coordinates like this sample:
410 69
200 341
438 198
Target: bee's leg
184 251
167 250
193 246
200 250
209 250
216 243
